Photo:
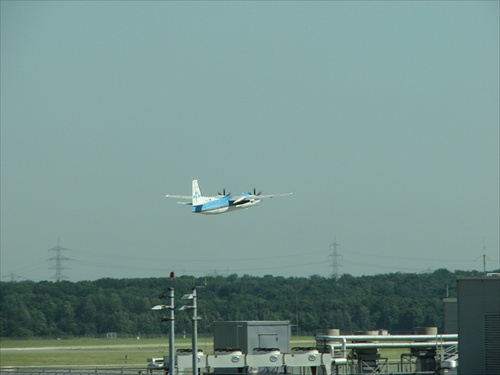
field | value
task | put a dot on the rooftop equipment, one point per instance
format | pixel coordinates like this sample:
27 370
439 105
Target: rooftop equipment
248 335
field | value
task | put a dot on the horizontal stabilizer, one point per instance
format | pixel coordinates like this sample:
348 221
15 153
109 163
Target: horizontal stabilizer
186 197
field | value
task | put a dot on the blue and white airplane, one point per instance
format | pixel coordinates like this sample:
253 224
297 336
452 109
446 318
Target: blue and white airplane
221 203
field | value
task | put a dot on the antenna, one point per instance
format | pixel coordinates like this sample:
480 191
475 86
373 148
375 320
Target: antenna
58 259
335 259
484 256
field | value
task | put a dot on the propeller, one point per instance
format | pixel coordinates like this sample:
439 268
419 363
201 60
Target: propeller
224 192
254 192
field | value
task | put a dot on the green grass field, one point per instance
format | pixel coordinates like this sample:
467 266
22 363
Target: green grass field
88 351
111 352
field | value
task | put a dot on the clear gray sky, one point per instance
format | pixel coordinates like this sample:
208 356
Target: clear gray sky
381 117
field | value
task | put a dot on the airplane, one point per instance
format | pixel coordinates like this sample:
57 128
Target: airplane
221 203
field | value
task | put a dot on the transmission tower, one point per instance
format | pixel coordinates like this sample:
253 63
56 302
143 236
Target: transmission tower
58 260
13 277
336 258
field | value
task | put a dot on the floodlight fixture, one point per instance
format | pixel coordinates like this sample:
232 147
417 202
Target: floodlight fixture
160 307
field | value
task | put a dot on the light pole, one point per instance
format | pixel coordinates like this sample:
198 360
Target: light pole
171 349
171 330
195 319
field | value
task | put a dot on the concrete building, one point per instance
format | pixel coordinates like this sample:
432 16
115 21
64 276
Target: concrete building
479 325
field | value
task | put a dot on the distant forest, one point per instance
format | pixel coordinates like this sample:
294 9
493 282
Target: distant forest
396 302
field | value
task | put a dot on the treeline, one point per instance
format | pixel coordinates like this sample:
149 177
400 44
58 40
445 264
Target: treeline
397 302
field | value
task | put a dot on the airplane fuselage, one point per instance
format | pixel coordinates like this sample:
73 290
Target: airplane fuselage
220 205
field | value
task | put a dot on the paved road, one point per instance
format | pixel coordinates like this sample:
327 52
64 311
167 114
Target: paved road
83 347
123 346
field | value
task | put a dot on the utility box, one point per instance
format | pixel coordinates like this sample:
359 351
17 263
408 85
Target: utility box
249 335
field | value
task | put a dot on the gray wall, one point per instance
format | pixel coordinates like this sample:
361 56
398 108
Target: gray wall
479 325
450 316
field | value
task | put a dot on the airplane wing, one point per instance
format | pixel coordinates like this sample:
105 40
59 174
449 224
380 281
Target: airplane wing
238 198
271 195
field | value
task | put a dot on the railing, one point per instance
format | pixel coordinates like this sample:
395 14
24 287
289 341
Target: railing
71 370
449 353
384 367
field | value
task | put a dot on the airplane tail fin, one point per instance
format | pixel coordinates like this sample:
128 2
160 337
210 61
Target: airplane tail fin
197 195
